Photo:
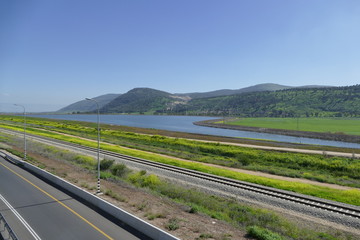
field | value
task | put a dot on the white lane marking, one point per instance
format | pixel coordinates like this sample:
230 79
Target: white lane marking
22 220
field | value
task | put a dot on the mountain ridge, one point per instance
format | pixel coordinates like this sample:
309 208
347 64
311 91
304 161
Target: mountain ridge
226 92
296 102
138 99
263 100
84 106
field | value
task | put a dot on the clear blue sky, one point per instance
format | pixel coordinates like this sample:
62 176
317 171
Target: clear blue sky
54 53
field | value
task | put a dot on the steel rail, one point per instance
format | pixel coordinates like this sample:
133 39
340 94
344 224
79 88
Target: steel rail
318 203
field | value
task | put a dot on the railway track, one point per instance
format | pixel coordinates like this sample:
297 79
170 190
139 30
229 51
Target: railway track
326 205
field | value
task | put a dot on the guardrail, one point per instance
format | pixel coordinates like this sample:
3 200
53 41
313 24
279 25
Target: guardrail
5 229
125 217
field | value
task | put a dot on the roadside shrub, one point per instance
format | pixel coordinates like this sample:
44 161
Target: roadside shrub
151 181
205 236
193 208
173 224
105 164
136 178
325 236
114 195
119 170
143 180
262 233
85 160
152 216
105 175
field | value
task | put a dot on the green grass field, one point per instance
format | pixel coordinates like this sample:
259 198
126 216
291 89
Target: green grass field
332 125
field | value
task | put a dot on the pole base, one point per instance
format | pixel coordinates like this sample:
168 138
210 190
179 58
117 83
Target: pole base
98 193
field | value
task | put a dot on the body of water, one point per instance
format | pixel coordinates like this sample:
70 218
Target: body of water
185 124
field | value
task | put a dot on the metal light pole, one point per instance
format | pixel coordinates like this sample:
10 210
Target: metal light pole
24 129
98 139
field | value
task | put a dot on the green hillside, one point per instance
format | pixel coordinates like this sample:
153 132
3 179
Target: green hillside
140 100
257 101
152 101
312 102
295 102
227 92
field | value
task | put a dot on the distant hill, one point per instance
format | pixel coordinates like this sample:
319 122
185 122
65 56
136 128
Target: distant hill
227 92
259 100
296 102
141 100
88 106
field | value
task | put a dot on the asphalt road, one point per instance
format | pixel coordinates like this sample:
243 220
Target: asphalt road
37 210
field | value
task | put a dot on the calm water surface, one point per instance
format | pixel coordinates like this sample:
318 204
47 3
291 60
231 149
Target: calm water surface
185 124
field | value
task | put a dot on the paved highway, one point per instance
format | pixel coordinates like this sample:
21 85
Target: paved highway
37 210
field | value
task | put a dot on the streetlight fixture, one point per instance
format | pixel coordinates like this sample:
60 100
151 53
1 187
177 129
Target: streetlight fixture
98 140
24 129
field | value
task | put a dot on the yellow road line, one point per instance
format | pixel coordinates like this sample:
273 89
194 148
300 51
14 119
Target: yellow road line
61 203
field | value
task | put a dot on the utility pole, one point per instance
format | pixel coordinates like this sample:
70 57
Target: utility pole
98 140
24 129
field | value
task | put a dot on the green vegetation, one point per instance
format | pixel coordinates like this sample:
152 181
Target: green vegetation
312 102
343 170
105 164
296 102
335 169
173 224
119 170
262 233
328 125
272 225
204 236
114 195
218 208
139 100
152 216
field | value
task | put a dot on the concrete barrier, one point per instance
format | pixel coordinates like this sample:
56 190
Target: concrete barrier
5 230
129 219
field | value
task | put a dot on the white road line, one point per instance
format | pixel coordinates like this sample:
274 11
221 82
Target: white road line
22 220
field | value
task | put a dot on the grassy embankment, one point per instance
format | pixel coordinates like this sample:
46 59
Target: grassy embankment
260 224
327 125
339 170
